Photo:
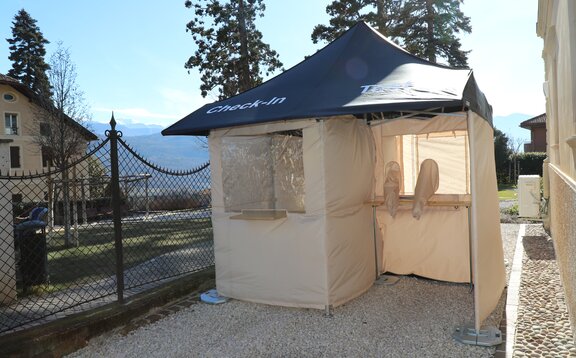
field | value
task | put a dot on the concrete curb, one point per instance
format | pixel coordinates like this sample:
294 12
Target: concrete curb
513 295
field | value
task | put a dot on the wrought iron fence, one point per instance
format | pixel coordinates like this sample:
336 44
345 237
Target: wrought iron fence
106 226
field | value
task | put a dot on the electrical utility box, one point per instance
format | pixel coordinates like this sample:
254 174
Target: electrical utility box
529 196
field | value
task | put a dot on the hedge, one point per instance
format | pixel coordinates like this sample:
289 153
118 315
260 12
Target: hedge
531 163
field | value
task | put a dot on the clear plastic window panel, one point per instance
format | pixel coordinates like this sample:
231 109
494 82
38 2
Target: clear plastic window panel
263 172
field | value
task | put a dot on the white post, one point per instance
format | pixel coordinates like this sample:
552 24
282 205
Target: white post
7 253
75 207
83 193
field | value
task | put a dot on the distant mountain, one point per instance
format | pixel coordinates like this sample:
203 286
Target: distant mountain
510 125
187 152
128 130
172 152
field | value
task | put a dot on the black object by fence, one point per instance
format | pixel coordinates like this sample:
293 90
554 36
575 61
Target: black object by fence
116 224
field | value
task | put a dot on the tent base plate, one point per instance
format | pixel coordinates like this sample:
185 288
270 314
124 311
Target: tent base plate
212 297
386 280
488 336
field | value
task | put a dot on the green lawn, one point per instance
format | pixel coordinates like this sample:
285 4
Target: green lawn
95 257
507 192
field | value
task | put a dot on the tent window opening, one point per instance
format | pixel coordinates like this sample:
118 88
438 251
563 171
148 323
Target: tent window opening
448 149
263 172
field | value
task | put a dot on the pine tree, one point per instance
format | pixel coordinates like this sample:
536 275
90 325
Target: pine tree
27 54
426 28
502 153
383 15
430 30
231 55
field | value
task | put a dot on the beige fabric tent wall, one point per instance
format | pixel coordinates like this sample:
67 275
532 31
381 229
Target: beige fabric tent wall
321 257
448 242
323 252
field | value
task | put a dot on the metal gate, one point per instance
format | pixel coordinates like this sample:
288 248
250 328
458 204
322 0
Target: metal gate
114 224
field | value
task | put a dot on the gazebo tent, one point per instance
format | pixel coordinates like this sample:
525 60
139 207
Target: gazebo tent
298 168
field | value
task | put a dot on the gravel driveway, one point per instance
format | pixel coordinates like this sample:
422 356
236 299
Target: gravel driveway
412 318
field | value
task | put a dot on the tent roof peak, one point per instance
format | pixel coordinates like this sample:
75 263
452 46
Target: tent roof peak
360 72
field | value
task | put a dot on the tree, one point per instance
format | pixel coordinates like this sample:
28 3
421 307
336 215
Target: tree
231 55
514 145
426 28
384 15
502 154
58 124
27 54
430 30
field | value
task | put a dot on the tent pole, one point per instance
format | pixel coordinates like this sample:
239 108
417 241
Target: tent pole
470 246
471 221
414 114
374 237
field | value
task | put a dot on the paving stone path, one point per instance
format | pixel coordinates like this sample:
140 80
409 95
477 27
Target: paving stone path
543 328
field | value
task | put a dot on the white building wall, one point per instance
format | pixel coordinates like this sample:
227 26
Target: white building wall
557 27
7 255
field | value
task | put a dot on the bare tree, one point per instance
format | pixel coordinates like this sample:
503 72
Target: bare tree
59 128
61 121
514 145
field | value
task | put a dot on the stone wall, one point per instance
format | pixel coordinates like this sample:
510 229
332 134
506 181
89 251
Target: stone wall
563 224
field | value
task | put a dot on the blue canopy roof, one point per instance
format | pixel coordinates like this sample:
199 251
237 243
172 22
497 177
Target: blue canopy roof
360 72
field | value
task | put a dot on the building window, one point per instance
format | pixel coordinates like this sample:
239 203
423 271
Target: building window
15 157
45 129
9 97
46 157
11 123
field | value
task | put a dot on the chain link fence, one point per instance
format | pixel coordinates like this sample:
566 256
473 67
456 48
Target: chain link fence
108 225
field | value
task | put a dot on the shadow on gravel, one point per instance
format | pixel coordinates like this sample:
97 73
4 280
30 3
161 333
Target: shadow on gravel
539 248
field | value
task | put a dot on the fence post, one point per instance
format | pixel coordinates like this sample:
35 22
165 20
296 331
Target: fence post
113 135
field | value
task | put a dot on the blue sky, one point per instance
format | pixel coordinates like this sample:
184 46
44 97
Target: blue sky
130 54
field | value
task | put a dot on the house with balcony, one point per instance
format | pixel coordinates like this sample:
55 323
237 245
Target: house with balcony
537 128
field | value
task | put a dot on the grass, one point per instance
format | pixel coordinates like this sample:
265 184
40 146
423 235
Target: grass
95 257
513 210
507 192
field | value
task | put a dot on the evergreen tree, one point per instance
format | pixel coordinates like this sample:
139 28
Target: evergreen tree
502 153
27 54
383 15
231 55
430 29
425 28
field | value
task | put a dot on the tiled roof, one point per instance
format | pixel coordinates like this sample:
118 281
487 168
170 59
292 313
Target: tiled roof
20 87
5 78
538 121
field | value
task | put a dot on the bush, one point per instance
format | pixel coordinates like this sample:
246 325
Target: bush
531 163
512 210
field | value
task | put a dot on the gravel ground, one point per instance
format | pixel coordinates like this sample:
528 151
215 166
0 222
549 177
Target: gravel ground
543 327
413 318
509 238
